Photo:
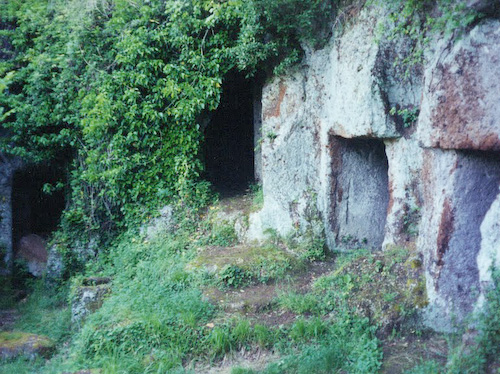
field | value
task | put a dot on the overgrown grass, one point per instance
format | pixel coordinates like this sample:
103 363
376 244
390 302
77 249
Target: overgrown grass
45 312
346 344
21 366
385 286
156 320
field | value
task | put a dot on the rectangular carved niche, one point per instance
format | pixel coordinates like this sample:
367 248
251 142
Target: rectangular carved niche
359 192
475 187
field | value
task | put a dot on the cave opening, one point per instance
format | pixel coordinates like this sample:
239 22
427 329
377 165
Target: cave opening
229 136
360 192
33 210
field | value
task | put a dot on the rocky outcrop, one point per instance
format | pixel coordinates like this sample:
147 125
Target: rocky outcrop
32 250
88 297
15 344
384 161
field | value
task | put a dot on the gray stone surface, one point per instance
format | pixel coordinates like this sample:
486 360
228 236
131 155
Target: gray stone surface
459 189
430 185
162 224
88 298
360 194
55 266
489 254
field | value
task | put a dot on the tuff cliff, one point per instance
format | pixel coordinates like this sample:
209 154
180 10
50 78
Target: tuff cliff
374 159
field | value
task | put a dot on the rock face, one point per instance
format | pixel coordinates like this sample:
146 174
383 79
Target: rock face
7 168
381 161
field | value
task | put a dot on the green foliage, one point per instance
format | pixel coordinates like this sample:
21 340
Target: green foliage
258 197
114 91
233 276
386 287
298 303
481 351
21 366
485 349
157 320
426 367
408 116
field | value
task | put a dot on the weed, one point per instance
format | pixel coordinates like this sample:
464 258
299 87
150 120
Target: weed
263 336
46 313
21 366
242 333
220 341
408 115
241 265
233 276
222 235
426 367
271 135
298 303
418 22
348 345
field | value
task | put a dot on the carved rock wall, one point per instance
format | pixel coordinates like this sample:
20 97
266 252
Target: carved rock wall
330 142
6 252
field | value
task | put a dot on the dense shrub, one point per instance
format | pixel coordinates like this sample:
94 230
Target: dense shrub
115 91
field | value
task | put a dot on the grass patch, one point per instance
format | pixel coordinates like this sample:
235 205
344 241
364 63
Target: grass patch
45 312
346 344
21 365
157 320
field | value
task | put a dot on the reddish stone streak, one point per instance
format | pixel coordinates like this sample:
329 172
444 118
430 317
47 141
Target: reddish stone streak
445 231
336 192
457 118
340 194
390 204
274 110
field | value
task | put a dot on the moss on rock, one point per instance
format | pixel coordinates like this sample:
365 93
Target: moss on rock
15 344
236 265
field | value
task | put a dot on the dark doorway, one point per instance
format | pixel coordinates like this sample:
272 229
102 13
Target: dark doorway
33 211
229 139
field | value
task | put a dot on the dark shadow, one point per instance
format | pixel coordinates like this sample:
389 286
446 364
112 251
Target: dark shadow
33 211
229 138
